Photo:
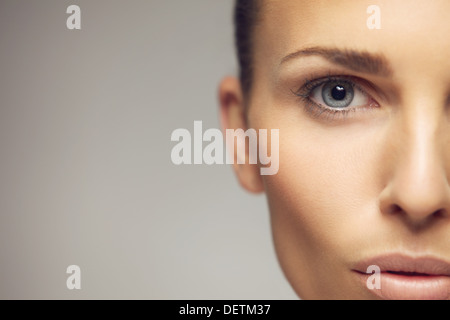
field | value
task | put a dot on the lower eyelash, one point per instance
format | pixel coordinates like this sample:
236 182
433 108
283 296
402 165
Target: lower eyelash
320 112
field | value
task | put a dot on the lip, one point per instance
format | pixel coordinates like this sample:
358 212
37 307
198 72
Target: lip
405 277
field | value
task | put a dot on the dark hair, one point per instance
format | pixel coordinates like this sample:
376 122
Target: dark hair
245 14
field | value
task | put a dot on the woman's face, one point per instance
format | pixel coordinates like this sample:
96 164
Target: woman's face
364 151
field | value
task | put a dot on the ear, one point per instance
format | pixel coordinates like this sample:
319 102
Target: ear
232 111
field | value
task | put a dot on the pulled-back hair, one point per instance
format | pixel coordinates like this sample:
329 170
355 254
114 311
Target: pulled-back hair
245 14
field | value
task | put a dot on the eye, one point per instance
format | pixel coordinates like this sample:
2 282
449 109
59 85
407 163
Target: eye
338 94
336 97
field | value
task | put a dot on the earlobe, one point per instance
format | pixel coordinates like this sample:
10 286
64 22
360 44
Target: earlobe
232 113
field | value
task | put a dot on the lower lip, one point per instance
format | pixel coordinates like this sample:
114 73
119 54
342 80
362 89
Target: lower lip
410 287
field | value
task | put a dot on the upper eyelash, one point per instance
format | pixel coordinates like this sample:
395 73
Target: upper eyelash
306 89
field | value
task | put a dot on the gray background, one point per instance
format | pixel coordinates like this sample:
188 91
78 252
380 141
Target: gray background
85 172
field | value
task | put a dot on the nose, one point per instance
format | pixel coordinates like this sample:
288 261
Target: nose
417 189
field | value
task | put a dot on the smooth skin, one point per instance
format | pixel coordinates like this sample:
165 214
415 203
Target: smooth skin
350 187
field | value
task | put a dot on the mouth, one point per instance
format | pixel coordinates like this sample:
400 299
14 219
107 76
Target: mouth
401 277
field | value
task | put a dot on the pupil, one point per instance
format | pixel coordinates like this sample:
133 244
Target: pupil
338 93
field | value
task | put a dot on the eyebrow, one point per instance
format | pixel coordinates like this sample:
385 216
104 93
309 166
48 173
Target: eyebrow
359 61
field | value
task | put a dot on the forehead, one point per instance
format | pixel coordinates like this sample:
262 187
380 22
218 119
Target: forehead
419 28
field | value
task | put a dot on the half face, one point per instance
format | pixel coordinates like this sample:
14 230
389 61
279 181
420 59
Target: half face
364 125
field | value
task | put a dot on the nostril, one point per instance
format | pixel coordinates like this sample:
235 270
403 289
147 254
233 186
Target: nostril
439 213
394 209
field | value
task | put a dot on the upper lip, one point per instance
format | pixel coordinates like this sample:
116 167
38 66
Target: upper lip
400 263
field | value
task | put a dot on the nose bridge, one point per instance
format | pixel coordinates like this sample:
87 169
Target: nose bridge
419 164
419 185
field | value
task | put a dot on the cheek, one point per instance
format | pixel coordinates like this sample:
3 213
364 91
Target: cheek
324 195
327 176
